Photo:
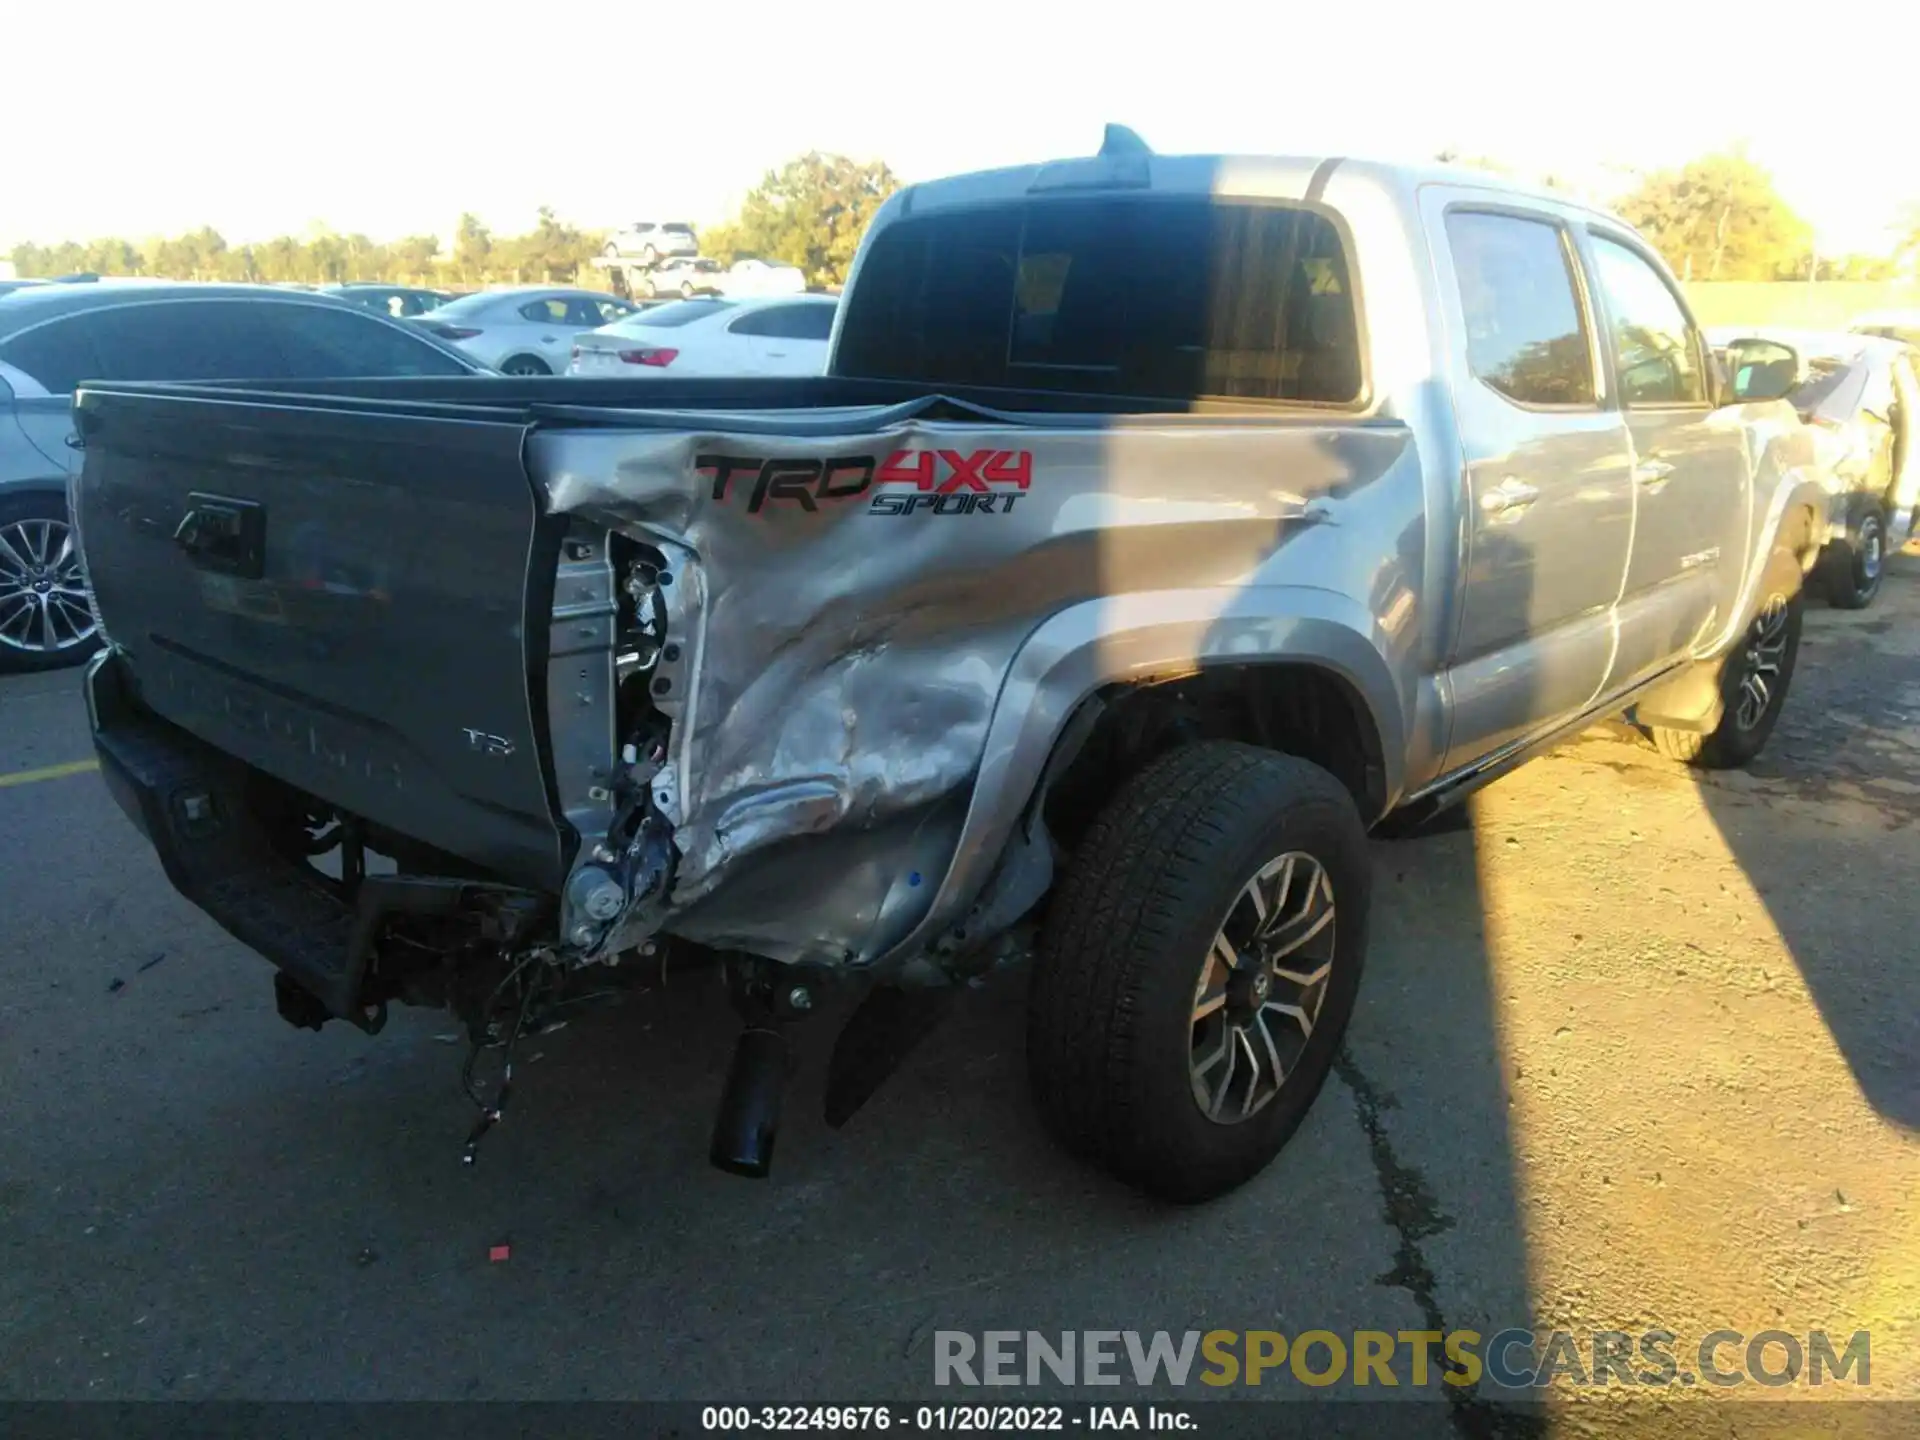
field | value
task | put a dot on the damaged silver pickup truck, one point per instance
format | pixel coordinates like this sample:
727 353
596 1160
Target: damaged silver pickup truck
1161 525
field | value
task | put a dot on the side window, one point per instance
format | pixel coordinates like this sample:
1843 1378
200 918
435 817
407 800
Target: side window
754 322
1655 350
545 312
58 355
316 342
810 322
583 314
1526 335
186 340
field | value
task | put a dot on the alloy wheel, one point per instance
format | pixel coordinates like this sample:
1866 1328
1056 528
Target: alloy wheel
1766 651
43 588
1261 987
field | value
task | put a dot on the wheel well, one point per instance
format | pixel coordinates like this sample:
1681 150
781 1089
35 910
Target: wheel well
1297 709
1797 532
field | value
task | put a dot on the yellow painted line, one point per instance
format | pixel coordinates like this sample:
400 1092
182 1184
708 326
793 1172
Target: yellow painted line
48 772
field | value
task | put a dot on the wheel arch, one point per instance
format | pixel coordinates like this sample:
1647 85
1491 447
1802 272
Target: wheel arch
1076 668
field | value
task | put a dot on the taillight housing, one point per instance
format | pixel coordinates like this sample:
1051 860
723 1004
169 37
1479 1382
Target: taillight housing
659 357
454 332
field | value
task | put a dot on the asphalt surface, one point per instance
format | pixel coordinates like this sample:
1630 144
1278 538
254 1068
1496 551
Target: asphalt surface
1635 1049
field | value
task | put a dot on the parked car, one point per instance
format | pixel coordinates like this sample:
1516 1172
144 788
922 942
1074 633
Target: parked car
1860 394
649 241
399 301
687 275
713 337
1120 573
526 329
762 277
1902 325
54 336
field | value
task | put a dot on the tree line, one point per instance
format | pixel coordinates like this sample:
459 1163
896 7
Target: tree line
810 212
1718 217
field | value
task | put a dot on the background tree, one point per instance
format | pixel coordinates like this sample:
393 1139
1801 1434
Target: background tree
811 213
472 248
1719 218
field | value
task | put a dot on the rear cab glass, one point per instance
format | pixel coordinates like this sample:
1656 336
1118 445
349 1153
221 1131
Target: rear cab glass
677 313
1166 298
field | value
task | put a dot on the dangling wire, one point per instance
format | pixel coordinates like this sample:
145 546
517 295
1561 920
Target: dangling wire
491 1115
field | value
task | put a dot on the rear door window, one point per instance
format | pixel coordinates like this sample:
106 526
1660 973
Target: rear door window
1148 297
315 342
1526 334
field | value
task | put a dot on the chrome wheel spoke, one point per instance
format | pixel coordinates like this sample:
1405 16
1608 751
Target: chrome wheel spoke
14 554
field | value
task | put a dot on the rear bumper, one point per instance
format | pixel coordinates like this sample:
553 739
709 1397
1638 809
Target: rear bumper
190 802
195 805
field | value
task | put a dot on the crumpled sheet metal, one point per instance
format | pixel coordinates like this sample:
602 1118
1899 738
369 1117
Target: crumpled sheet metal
850 660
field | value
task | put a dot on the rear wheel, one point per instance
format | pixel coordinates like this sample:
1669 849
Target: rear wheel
1853 565
1198 967
1754 678
525 365
45 620
686 289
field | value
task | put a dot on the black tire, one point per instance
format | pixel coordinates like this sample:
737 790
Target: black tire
1125 950
1772 635
686 289
39 519
1853 565
525 365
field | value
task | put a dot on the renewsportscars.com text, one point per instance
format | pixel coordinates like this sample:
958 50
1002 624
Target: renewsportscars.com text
1513 1359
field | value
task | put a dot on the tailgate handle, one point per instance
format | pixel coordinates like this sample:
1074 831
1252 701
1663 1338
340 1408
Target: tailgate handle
222 533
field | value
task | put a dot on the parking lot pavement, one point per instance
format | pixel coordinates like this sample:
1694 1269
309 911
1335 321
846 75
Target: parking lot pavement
1635 1050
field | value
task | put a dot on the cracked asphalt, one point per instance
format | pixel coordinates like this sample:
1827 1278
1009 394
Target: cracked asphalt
1636 1049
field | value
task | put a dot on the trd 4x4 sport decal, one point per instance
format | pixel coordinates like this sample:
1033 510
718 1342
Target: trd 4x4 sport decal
907 482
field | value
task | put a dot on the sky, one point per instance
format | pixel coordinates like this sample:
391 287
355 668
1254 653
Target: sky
391 119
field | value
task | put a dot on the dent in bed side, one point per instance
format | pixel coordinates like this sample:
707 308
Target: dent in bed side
1141 637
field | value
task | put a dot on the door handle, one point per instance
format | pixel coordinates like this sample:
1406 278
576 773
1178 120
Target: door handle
1508 496
1651 472
224 534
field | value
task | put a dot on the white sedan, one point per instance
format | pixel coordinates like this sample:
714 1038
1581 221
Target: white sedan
761 277
525 330
713 336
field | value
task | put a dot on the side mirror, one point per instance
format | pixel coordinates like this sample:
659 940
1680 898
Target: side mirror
1761 370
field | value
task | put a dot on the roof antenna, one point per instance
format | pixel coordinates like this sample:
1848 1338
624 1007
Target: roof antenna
1122 141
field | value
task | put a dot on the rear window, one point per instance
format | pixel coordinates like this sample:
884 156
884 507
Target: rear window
679 312
1146 297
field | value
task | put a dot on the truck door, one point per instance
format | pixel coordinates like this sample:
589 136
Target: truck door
1690 465
1548 495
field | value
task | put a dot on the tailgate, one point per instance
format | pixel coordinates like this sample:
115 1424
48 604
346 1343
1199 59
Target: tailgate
339 597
